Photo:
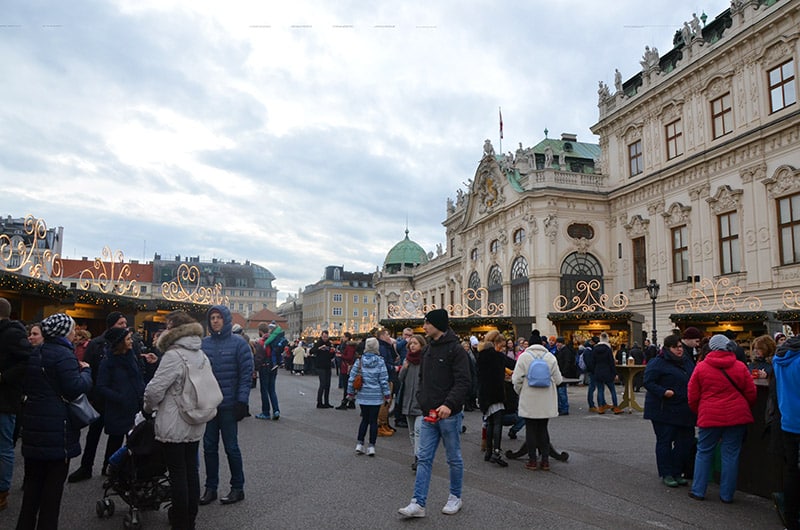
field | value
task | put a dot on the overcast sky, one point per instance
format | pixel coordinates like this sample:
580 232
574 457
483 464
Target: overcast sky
296 134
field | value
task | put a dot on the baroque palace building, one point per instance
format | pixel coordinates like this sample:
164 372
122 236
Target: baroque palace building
694 188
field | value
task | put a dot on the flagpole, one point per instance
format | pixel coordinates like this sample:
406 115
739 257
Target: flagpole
500 113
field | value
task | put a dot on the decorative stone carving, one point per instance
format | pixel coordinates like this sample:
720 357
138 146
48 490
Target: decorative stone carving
488 149
502 236
784 181
697 192
637 226
777 52
676 215
655 207
725 200
582 245
551 227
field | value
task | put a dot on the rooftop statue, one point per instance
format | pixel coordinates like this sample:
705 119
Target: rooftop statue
488 150
617 80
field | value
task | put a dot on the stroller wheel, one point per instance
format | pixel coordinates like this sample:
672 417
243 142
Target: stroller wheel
131 521
100 508
104 508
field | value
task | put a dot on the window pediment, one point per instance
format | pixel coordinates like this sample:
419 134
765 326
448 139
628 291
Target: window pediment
784 181
677 214
725 200
637 226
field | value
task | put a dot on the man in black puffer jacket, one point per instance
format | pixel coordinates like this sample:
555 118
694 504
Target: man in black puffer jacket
14 352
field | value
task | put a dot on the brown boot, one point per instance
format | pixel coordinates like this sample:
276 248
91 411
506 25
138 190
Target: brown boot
3 500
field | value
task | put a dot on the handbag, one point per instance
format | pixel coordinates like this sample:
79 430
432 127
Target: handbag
358 380
80 412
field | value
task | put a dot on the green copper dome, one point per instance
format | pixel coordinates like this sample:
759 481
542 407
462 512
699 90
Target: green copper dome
407 253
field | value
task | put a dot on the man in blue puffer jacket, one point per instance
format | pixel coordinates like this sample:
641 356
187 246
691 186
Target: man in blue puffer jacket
232 362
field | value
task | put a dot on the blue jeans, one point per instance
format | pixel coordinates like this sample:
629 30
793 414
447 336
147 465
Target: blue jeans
592 388
563 402
513 419
673 447
601 394
267 376
731 443
369 418
224 424
7 422
449 432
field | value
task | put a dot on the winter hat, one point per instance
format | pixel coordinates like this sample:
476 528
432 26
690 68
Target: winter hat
561 340
473 340
273 325
779 335
58 325
114 336
237 329
719 342
112 318
692 333
371 346
438 318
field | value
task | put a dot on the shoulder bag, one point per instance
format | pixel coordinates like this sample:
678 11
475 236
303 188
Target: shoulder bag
80 412
358 380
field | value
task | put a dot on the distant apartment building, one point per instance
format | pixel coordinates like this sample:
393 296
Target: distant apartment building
292 311
341 301
36 238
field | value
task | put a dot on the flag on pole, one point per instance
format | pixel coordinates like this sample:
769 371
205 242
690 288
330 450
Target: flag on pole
501 122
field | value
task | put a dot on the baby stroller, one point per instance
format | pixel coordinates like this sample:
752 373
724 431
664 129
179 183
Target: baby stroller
137 475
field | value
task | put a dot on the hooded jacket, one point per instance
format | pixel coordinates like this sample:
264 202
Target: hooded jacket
491 368
263 356
14 352
786 368
714 399
375 380
52 372
167 383
120 385
444 374
535 402
669 372
603 367
231 359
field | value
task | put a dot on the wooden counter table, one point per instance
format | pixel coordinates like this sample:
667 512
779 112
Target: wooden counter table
629 371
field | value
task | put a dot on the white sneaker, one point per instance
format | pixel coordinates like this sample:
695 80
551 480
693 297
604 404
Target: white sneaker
453 505
412 510
371 450
360 449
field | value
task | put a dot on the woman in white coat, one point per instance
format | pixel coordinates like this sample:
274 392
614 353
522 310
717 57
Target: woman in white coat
179 439
537 404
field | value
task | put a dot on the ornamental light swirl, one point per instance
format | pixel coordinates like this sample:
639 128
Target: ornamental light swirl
107 279
723 298
791 299
182 290
21 256
587 301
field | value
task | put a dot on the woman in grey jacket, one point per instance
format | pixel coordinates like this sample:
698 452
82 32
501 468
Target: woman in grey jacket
179 439
409 377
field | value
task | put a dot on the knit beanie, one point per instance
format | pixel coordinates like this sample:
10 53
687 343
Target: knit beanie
692 333
719 342
116 335
371 345
438 318
112 318
58 325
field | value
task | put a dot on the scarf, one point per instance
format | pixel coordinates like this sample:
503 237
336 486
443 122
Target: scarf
414 357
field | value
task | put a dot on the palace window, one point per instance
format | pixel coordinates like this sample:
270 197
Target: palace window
635 158
495 286
337 297
355 312
579 267
473 254
781 86
519 235
474 283
337 311
722 116
789 228
520 306
494 246
680 253
355 298
674 134
639 263
729 242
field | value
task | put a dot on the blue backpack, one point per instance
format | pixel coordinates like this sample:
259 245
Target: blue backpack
539 373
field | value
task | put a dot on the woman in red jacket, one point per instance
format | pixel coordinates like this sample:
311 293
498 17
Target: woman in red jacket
721 392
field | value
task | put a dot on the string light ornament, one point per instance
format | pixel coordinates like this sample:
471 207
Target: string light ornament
26 258
110 279
410 305
182 290
722 298
587 301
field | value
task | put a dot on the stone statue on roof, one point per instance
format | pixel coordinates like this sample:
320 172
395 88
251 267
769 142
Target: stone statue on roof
695 23
686 33
603 93
488 150
617 80
548 157
562 160
649 59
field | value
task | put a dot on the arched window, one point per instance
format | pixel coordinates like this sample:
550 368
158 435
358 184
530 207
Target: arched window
495 286
494 246
520 306
519 235
474 283
577 267
473 254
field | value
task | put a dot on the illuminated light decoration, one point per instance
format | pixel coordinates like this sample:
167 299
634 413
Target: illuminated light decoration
791 299
176 291
587 301
335 330
31 286
410 306
19 257
722 299
106 279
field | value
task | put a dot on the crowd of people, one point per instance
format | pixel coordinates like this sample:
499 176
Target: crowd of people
699 394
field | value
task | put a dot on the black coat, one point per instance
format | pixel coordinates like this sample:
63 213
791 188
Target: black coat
444 374
491 376
121 386
46 432
668 372
566 362
14 352
603 360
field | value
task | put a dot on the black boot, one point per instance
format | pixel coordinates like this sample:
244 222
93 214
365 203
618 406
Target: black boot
343 405
208 497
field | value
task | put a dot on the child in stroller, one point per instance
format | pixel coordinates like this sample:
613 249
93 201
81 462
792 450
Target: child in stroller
137 475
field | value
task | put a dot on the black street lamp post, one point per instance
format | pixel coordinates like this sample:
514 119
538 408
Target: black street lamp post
652 290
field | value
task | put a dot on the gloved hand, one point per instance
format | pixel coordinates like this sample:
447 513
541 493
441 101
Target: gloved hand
350 397
240 411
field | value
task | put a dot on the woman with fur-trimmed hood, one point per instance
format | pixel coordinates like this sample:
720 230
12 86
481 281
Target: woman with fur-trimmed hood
180 440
